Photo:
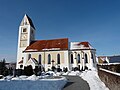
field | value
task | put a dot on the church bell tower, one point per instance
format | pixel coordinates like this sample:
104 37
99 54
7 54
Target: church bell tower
26 36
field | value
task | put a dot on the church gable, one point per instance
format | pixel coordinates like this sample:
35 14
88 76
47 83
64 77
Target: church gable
32 61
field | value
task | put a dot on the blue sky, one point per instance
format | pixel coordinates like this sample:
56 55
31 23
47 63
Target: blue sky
96 21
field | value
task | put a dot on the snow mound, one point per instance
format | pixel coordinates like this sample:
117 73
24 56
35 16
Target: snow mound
19 78
93 80
74 73
65 73
33 77
15 78
58 73
51 73
8 78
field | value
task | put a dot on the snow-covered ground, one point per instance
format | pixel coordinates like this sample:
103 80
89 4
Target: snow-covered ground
44 82
93 80
32 83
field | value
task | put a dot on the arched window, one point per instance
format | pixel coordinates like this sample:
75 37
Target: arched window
78 57
29 56
86 58
39 59
49 59
92 56
58 58
71 58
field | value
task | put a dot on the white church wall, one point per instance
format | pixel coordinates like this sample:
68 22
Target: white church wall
75 58
66 60
21 56
82 63
44 57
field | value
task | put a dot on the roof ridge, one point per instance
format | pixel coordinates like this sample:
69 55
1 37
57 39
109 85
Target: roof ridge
51 39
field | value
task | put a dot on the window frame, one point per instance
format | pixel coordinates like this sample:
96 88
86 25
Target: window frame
71 59
86 58
58 59
49 59
39 58
24 29
78 58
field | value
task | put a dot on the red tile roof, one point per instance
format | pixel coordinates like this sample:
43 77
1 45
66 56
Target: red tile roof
54 44
86 44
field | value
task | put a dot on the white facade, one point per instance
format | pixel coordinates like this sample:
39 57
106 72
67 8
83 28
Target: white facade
79 54
85 58
87 55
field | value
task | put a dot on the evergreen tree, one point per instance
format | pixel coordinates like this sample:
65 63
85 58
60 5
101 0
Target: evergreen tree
3 69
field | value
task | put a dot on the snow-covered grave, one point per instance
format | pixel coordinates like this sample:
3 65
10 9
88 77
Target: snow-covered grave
32 83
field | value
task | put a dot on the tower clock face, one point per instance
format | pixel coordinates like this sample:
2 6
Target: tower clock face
24 36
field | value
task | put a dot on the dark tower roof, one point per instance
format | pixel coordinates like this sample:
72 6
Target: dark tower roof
27 20
30 21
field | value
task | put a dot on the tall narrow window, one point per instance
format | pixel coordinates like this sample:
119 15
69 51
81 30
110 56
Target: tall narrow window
29 56
39 59
71 58
49 59
92 56
78 57
86 58
58 58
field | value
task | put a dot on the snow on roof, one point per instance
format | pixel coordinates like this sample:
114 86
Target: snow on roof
80 45
54 44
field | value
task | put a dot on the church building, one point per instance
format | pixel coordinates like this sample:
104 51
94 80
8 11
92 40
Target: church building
55 52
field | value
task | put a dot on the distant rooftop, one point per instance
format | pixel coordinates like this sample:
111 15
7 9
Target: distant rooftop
114 59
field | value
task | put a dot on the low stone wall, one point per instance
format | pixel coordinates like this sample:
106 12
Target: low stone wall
111 79
111 67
